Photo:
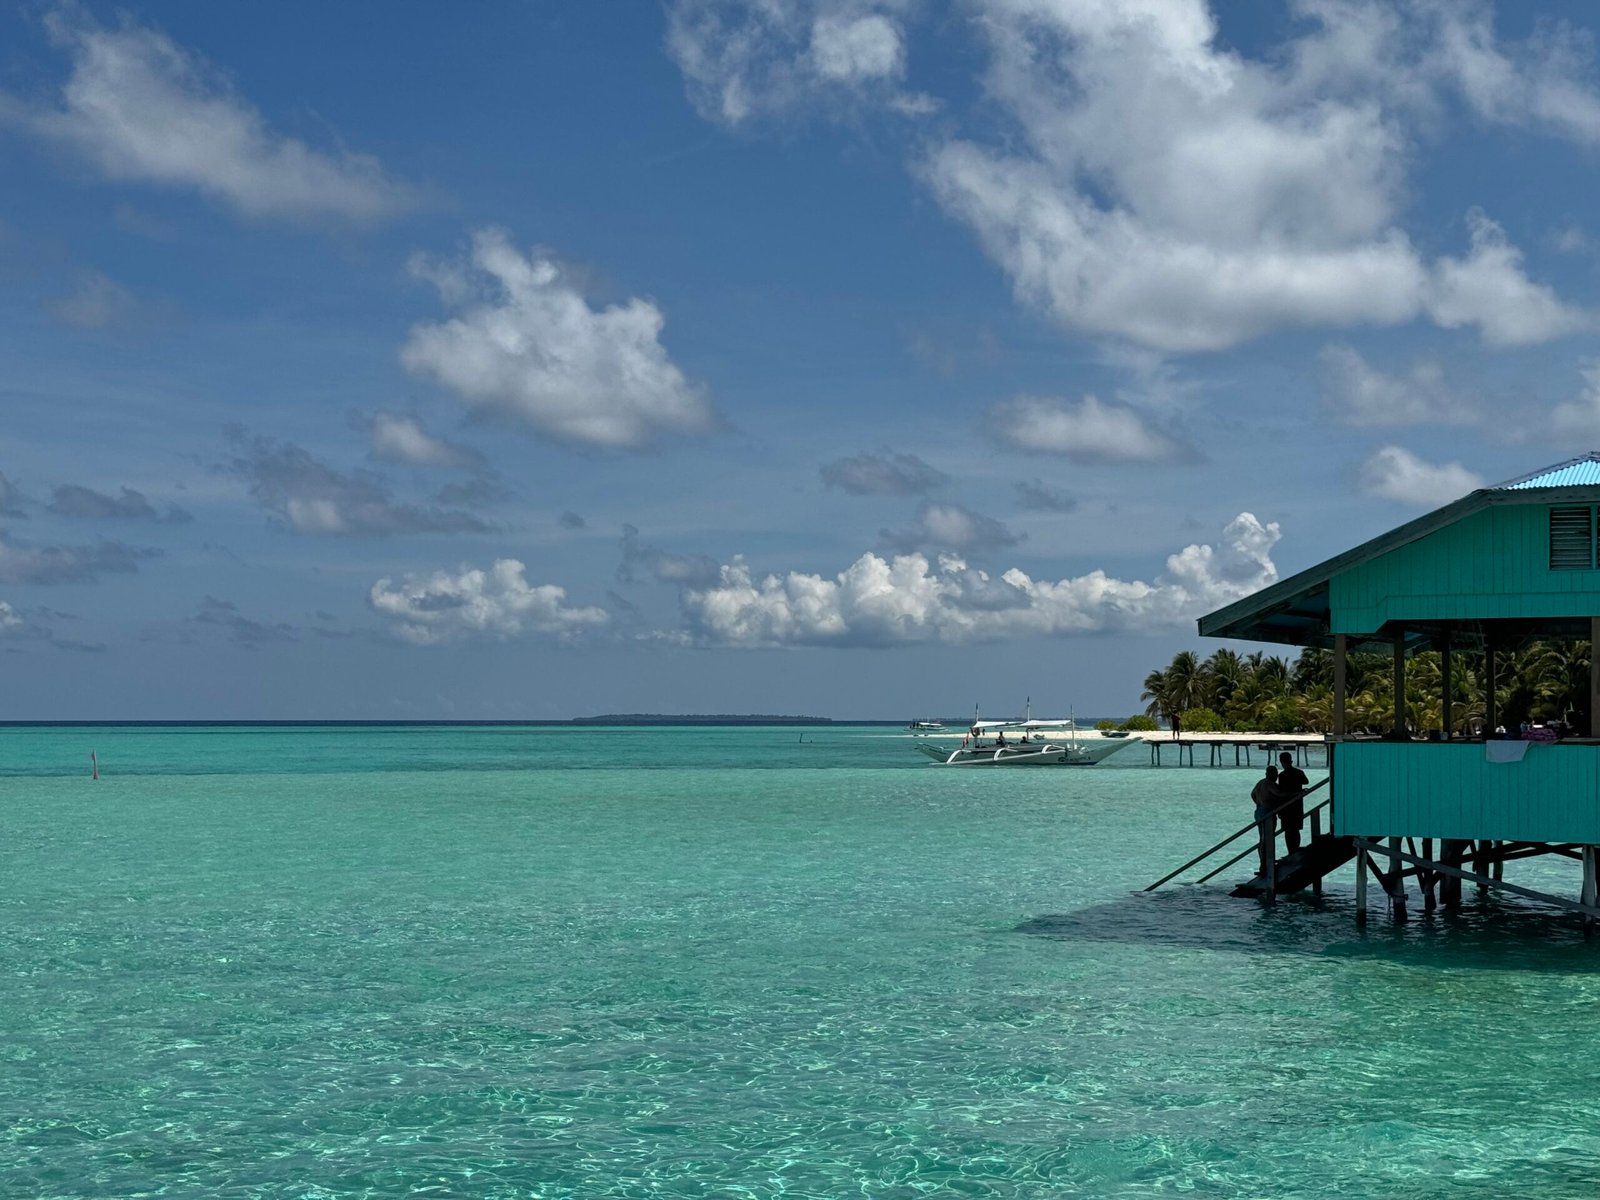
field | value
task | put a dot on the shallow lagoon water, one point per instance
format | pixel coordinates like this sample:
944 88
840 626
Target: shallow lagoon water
480 962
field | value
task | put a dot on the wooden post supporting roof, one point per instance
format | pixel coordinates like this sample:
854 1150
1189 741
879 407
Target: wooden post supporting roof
1490 721
1400 684
1594 677
1447 685
1341 644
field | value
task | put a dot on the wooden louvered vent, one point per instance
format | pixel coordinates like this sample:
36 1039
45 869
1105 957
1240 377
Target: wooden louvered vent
1572 538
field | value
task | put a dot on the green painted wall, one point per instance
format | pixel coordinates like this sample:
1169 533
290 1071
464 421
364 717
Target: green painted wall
1450 790
1492 564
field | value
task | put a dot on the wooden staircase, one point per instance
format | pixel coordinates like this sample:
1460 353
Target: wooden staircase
1306 866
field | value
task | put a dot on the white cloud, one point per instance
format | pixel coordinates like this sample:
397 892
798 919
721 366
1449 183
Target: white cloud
1394 473
1163 189
1489 290
1363 396
745 59
142 108
499 602
1545 82
9 620
852 49
1090 431
1580 418
402 439
906 599
531 350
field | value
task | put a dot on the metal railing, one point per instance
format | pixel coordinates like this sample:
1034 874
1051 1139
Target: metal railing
1253 827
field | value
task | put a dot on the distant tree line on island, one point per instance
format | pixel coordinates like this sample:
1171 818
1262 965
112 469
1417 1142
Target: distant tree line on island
1264 693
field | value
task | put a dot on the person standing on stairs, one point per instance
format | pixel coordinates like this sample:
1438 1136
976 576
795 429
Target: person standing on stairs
1268 795
1292 782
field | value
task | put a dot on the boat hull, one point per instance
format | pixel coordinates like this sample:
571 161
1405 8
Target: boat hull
1048 755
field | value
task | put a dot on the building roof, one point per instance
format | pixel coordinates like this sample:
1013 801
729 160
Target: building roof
1295 611
1583 471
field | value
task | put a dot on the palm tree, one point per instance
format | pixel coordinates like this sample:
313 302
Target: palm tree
1224 673
1155 691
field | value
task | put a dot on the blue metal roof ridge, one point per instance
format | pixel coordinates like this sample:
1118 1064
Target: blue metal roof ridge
1581 471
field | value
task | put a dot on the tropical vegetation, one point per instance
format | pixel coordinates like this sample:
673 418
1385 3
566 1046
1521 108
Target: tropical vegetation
1543 681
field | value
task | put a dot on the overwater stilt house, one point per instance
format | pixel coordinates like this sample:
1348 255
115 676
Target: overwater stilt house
1475 580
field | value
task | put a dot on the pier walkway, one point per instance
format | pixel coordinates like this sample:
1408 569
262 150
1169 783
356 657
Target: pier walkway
1217 746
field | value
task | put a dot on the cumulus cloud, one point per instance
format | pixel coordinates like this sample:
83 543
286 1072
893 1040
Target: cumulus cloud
745 59
907 599
312 498
949 527
402 439
30 563
571 520
1089 431
1394 473
10 619
528 348
72 500
1360 395
240 629
496 603
647 563
142 108
1488 290
1035 495
1161 188
883 474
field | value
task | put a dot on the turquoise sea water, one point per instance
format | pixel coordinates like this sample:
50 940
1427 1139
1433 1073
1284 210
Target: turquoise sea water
726 963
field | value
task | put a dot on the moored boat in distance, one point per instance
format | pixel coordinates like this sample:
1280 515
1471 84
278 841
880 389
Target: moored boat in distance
1026 743
927 727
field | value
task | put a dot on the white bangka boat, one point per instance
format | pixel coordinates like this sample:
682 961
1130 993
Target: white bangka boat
1026 743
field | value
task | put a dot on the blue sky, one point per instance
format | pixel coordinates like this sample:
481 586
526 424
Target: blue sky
853 357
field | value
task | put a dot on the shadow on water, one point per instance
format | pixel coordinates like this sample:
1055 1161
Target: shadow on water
1483 934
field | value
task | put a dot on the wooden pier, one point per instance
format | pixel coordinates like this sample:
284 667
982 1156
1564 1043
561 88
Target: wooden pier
1301 745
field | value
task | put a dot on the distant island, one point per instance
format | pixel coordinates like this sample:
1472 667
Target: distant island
698 719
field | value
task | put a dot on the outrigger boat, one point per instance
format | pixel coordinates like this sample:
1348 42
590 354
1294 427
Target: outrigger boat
1026 743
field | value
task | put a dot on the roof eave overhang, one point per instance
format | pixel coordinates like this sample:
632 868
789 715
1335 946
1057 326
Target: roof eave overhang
1249 619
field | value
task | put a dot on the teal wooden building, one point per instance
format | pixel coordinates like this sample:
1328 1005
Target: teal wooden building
1497 569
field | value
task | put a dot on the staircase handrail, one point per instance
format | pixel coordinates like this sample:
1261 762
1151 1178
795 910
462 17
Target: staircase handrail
1249 850
1229 840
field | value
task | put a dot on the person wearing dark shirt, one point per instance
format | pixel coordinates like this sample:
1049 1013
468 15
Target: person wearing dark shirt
1268 795
1292 782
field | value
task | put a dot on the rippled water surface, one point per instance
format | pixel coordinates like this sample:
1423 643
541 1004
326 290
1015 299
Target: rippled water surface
663 963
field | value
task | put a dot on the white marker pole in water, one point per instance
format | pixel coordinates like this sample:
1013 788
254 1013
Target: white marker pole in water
94 765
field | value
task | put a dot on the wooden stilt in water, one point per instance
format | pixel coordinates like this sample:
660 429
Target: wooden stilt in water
94 766
1397 885
1267 830
1590 886
1361 887
1428 880
1453 852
